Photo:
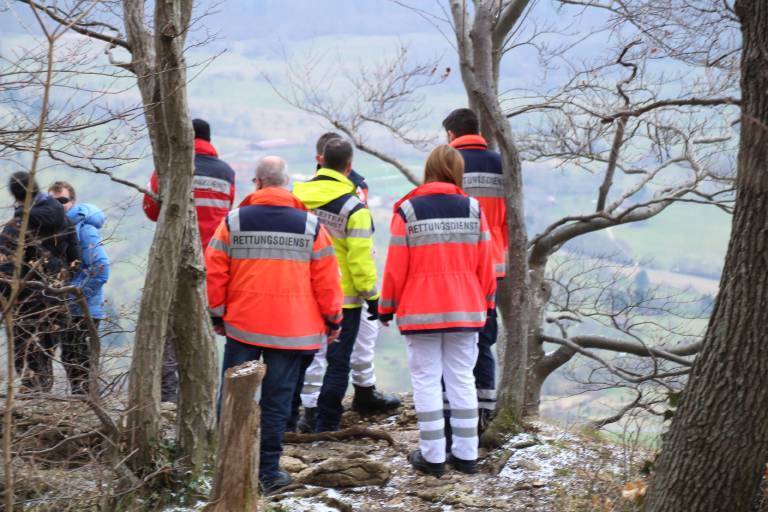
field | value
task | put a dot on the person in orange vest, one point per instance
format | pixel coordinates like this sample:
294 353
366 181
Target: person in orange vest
213 187
483 180
274 292
439 282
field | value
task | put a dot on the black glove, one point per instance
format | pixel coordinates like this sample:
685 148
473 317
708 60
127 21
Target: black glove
217 321
373 309
386 317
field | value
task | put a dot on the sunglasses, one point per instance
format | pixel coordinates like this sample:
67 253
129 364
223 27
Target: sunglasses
63 200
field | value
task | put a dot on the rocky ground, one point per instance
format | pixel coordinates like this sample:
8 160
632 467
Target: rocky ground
544 468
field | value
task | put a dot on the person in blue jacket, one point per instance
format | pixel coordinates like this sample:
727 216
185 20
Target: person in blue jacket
91 277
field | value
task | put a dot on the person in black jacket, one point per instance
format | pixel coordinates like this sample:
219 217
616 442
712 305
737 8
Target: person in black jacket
51 252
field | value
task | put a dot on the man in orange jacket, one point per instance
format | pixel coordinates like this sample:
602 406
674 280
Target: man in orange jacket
274 291
483 180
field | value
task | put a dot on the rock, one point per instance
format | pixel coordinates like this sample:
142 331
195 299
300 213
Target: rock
338 472
528 465
292 464
538 483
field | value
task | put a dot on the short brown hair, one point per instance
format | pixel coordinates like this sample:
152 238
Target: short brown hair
58 186
444 164
323 140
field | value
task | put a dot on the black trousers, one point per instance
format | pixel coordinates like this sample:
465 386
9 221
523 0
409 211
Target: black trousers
76 354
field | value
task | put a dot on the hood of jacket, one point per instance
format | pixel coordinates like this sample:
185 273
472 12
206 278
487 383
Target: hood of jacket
326 186
203 147
273 196
431 188
87 213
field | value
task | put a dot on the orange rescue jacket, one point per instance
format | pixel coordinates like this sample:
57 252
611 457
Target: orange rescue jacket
272 273
439 273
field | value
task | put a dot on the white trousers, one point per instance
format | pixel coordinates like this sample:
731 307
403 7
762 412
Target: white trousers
361 361
450 356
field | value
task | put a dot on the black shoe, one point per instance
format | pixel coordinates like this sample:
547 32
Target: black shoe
418 462
464 466
367 400
271 486
308 420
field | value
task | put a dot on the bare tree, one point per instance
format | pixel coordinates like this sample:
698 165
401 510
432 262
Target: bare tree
713 457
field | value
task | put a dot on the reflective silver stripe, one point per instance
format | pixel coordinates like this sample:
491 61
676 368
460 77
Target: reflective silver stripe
407 208
488 394
218 244
310 388
431 435
429 415
474 208
359 233
487 181
325 251
311 226
484 192
335 318
463 431
387 303
348 206
335 224
271 340
213 203
369 293
234 220
264 253
361 367
209 183
444 238
398 240
352 301
500 267
217 311
436 318
464 414
489 406
485 236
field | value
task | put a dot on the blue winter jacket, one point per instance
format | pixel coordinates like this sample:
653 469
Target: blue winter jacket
94 270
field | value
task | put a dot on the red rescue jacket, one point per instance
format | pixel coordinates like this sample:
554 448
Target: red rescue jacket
272 273
213 188
439 273
484 180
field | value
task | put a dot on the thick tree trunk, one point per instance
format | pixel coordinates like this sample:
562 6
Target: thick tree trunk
537 372
161 76
236 480
715 452
195 348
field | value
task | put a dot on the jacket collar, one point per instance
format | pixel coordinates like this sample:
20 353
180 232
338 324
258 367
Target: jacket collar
273 196
469 142
336 175
429 189
203 147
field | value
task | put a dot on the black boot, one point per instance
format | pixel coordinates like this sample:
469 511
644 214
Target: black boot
465 466
419 463
367 400
308 420
269 487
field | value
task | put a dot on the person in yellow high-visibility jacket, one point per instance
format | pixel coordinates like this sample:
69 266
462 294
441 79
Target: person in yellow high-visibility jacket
332 197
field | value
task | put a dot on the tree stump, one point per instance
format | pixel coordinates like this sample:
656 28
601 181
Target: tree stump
236 481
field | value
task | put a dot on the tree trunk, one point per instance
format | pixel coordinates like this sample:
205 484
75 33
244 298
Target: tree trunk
536 371
715 452
195 349
237 462
161 77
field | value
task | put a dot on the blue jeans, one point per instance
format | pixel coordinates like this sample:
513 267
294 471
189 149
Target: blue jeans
277 389
336 378
485 368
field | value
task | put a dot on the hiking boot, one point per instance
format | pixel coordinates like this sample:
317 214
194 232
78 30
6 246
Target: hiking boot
308 420
367 401
463 466
269 487
419 463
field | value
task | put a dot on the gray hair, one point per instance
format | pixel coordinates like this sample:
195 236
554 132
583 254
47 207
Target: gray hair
271 172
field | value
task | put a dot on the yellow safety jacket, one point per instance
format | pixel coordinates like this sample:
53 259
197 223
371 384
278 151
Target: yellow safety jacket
332 197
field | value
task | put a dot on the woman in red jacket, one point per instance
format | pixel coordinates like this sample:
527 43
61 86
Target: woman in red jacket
439 281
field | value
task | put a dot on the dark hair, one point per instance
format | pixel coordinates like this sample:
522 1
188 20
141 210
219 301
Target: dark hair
462 121
337 154
18 185
202 129
323 140
58 186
